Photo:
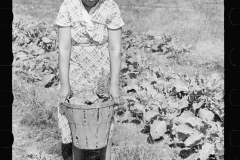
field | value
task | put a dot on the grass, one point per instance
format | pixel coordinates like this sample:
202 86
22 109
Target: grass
35 119
37 108
132 145
140 153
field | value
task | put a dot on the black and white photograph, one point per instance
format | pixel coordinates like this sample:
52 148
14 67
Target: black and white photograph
118 80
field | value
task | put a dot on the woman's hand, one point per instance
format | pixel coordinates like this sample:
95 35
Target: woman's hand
64 92
114 93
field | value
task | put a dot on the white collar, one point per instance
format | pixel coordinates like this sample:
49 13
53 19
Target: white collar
87 18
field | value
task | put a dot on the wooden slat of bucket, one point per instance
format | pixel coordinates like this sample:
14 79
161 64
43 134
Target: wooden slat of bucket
84 130
80 130
91 130
99 120
75 118
110 113
97 136
74 134
83 141
90 127
81 116
94 117
104 125
91 117
104 114
69 114
103 133
78 114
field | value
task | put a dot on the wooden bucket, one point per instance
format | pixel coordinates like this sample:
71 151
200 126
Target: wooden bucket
90 124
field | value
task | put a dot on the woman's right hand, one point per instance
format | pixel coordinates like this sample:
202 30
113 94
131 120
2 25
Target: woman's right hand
64 92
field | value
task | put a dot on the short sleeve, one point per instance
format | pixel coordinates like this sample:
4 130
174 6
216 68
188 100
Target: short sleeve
63 15
115 21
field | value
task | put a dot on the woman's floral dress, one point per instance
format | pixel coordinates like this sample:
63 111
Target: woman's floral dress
89 60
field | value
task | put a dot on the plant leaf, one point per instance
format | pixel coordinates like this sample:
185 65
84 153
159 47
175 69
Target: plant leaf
139 107
127 115
219 83
171 116
197 105
173 104
180 85
185 115
48 78
219 146
150 114
159 96
188 117
130 87
195 121
206 115
184 129
130 98
218 95
192 139
206 150
46 40
40 51
215 77
195 86
21 55
43 155
183 102
158 129
92 98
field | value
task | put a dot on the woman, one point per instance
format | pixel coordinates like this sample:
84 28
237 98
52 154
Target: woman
90 34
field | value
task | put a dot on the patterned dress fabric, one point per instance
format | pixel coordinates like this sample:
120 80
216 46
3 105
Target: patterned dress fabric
89 60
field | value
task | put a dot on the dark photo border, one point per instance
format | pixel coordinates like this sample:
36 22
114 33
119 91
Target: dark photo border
232 79
6 100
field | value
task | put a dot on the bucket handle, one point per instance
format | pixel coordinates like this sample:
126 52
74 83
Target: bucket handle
88 107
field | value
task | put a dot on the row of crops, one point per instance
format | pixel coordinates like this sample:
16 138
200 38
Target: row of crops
188 111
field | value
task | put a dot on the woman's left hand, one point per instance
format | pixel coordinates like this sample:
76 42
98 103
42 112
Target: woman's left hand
114 93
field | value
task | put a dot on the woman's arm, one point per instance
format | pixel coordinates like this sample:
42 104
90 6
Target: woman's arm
115 46
64 38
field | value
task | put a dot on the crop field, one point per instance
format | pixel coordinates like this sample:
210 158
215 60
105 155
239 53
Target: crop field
172 81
